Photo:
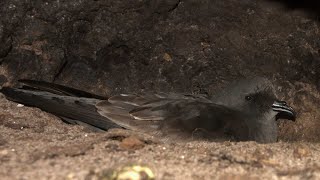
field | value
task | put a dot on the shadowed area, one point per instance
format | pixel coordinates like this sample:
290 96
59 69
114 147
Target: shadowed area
311 7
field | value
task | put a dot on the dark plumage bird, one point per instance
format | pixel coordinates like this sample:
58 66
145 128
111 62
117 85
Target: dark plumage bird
245 110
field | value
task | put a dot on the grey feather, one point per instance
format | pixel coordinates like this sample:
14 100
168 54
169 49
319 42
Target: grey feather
245 110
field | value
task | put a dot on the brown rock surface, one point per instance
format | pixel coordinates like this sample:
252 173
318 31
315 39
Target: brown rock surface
114 46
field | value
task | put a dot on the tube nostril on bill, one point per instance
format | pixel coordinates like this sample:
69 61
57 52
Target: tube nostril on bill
283 103
284 110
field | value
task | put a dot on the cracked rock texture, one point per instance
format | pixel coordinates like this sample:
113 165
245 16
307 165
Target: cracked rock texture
193 46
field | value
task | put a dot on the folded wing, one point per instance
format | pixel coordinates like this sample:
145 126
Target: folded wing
167 112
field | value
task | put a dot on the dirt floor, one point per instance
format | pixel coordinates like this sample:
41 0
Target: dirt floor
37 145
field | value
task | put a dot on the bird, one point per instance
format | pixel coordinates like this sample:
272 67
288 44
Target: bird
245 110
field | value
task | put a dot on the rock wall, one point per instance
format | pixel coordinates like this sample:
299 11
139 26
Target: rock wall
194 46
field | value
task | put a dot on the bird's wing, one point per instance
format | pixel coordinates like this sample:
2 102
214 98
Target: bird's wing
151 112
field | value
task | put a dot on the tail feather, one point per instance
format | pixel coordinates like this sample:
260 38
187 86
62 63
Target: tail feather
68 107
57 89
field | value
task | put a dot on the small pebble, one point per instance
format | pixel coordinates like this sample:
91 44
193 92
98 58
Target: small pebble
20 105
167 57
301 152
132 143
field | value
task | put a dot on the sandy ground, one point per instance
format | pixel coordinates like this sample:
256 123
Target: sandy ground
37 145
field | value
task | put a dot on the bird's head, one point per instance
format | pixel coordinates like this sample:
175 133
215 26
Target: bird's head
254 96
259 109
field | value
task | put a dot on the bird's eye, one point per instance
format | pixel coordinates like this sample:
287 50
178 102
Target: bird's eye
248 98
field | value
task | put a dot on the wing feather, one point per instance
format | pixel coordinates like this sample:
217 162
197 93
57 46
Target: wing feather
148 112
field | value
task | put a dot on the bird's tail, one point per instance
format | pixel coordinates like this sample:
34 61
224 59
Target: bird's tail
56 89
69 107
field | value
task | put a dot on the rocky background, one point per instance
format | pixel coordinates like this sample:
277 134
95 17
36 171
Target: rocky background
192 46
